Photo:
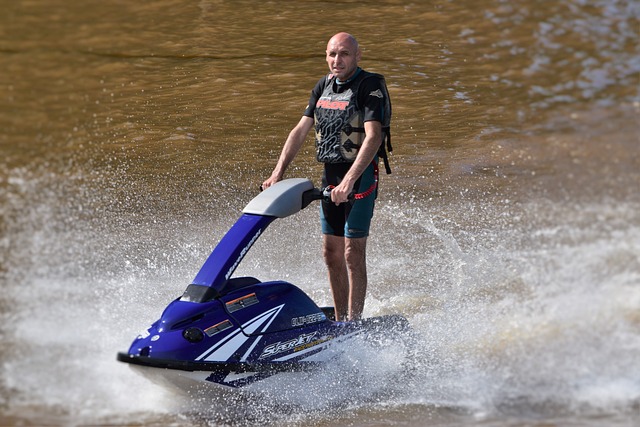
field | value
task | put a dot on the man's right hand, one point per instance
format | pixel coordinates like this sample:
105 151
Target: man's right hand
269 182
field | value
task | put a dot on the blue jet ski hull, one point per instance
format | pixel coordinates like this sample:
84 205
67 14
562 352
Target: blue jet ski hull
234 331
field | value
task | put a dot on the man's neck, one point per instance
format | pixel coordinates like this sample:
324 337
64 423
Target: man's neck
353 76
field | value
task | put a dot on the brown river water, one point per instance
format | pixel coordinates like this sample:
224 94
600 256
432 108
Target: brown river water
132 133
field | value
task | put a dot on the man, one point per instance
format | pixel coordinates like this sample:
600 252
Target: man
348 109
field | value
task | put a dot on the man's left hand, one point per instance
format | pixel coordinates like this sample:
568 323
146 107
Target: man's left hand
340 194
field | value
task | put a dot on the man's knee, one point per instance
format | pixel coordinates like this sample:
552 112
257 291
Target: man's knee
333 250
355 252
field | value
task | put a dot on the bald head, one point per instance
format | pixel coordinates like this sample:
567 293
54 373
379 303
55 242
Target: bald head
343 55
345 39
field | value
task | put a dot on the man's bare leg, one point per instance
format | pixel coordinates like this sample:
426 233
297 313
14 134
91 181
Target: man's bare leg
334 257
356 260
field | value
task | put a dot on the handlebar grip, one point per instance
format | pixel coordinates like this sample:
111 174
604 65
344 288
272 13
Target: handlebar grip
326 195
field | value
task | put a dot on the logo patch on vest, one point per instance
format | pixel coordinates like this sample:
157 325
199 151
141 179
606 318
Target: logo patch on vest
332 105
377 93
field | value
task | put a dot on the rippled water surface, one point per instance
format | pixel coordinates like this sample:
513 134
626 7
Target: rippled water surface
133 133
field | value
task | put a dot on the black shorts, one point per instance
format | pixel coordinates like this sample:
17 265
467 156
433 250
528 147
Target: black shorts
348 219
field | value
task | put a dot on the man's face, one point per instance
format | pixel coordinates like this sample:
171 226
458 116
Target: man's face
342 57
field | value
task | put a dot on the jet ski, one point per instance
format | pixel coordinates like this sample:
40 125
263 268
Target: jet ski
235 331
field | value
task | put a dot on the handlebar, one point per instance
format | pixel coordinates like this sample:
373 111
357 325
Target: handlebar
323 194
326 193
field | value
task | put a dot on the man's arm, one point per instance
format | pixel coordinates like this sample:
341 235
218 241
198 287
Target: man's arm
366 153
292 145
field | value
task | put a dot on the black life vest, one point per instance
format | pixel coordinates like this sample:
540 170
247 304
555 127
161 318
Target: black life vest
341 111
